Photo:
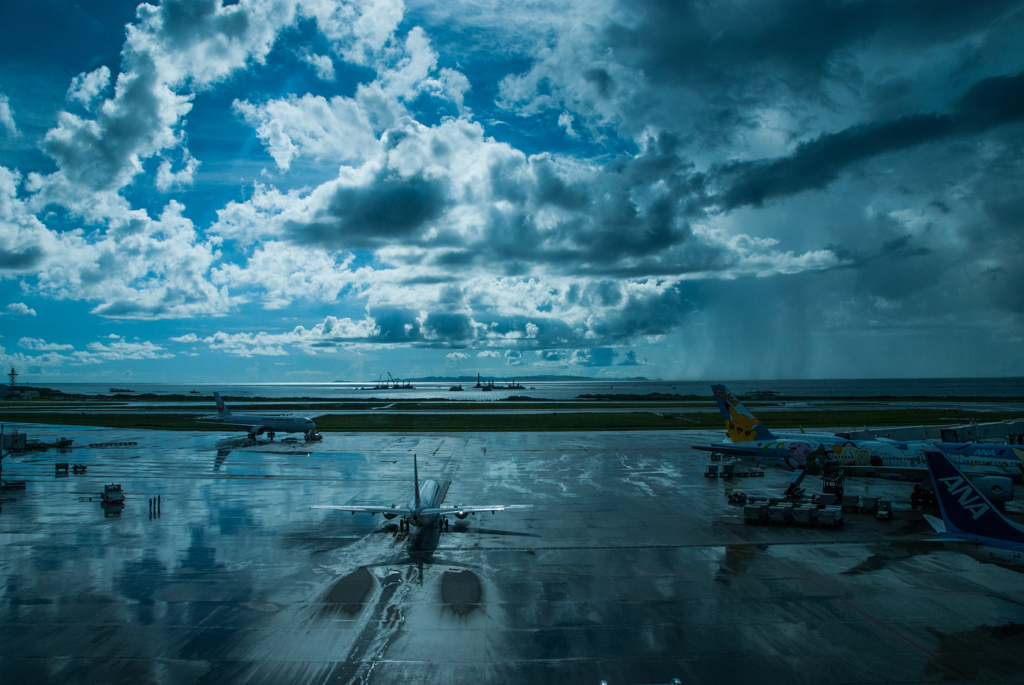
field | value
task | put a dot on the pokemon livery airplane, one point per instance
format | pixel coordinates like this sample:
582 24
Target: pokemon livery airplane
993 467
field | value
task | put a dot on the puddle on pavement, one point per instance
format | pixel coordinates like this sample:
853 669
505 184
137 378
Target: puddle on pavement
349 593
461 591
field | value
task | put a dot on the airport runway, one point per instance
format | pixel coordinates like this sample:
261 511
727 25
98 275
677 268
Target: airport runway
631 568
318 408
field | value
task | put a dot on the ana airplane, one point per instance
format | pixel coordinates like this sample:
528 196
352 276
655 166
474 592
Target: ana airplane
969 519
993 466
424 509
257 424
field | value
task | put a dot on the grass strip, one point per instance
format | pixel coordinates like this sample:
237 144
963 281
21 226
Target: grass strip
165 422
574 421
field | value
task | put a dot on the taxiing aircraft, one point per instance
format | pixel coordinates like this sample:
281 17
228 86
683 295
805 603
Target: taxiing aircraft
424 509
994 466
257 424
971 520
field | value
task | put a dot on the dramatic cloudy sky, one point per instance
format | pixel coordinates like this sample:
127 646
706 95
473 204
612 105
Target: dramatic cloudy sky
304 190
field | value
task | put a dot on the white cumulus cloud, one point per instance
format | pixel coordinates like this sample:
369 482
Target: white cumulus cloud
7 116
86 87
322 64
20 309
40 345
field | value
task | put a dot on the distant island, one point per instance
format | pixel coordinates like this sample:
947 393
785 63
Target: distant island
521 379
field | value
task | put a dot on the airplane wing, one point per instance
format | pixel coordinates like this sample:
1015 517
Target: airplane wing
723 448
473 510
368 510
938 524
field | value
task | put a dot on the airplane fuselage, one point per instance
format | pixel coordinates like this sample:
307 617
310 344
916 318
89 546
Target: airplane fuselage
975 459
276 424
987 550
430 491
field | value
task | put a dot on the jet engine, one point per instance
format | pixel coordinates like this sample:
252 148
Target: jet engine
390 516
461 514
997 489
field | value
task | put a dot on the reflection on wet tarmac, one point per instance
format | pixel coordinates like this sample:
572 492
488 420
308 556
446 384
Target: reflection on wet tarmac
632 568
985 653
895 551
461 591
736 559
350 592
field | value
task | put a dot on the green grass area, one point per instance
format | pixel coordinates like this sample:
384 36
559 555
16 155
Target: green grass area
167 422
569 421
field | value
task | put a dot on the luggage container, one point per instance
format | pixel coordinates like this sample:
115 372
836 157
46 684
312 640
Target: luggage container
868 505
830 516
805 516
851 502
780 513
755 513
712 471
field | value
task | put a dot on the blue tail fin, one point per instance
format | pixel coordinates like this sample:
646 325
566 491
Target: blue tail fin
965 511
740 424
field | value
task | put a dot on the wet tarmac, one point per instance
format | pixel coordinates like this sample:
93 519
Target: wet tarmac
632 568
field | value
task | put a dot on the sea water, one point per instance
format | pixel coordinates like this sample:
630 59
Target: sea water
571 389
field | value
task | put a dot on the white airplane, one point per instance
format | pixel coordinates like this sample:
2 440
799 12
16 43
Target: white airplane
424 509
258 424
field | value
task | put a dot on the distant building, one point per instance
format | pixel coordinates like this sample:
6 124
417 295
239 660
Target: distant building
764 395
15 441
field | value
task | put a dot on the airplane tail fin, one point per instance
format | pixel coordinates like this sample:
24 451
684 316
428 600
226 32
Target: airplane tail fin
964 509
740 424
222 408
416 480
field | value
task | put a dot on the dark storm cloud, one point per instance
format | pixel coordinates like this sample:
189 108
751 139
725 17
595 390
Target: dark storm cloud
629 359
621 217
815 164
709 44
651 315
390 210
396 325
19 261
632 208
447 327
186 22
613 319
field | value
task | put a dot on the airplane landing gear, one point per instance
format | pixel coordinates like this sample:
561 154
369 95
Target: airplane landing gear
923 497
252 436
270 434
